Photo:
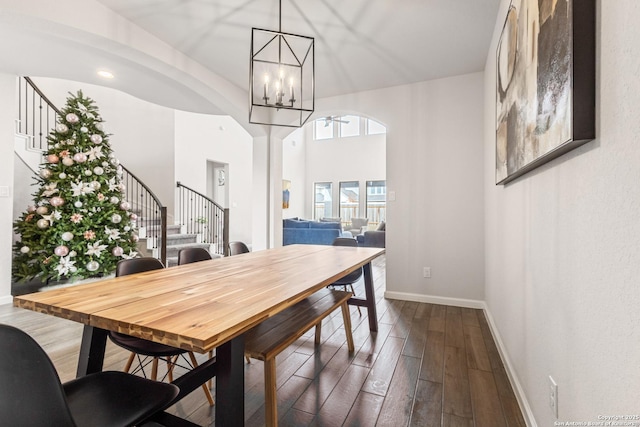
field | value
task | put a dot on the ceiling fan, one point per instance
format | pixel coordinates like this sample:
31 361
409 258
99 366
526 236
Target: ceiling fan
330 119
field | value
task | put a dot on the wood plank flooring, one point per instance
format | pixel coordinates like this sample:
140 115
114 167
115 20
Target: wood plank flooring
428 365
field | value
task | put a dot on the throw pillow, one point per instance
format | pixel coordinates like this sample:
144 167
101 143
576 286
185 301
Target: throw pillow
381 226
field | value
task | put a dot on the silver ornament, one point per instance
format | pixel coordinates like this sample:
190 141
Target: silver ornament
62 128
72 118
117 251
99 127
115 218
62 175
88 172
93 265
96 139
42 210
84 129
98 170
114 200
42 223
25 249
67 236
67 161
95 185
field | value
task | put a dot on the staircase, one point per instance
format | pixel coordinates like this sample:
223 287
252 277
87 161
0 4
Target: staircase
202 222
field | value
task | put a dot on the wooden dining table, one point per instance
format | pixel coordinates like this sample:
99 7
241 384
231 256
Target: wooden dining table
202 306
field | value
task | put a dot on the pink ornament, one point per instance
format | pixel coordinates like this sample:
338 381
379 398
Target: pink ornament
80 157
117 251
96 139
133 217
61 250
72 118
52 158
125 206
31 208
56 201
41 210
134 237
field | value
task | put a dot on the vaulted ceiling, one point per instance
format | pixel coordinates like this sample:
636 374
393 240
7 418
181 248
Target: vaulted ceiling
360 44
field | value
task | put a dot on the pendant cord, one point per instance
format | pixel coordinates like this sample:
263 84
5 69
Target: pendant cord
280 17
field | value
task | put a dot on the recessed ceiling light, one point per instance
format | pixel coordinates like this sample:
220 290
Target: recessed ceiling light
105 74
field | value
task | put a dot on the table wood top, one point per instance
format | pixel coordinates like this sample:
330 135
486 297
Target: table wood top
202 305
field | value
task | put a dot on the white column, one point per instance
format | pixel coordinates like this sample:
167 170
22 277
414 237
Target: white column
7 130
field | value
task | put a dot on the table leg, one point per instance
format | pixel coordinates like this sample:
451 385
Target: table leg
370 298
94 342
230 383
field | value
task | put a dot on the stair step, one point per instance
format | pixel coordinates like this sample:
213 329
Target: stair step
177 239
153 229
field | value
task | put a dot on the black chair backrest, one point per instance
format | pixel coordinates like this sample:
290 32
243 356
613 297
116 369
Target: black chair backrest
30 390
137 265
236 248
189 255
345 241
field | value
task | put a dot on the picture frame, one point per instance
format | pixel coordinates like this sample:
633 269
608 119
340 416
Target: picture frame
545 83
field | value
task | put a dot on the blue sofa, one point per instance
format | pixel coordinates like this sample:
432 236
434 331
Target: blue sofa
297 231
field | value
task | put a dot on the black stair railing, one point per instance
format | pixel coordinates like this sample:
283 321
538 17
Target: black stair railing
152 215
38 116
201 215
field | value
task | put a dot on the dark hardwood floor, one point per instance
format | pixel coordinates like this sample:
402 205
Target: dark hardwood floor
428 365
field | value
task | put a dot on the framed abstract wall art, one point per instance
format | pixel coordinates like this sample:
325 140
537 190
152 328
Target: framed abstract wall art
545 88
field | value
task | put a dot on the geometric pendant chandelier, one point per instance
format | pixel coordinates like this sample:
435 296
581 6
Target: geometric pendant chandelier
282 77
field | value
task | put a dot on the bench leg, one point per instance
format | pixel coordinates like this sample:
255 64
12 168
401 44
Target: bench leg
318 332
270 400
346 318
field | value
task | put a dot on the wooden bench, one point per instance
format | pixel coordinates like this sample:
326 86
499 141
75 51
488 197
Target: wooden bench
269 338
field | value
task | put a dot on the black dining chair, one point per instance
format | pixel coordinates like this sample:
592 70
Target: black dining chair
31 393
237 248
140 347
189 255
351 278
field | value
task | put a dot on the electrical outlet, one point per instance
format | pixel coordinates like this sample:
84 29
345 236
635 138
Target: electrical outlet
426 272
553 396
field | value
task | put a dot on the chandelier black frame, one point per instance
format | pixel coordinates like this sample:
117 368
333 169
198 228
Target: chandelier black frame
276 57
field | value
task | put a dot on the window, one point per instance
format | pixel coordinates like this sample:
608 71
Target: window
349 126
376 202
322 129
349 201
375 128
322 200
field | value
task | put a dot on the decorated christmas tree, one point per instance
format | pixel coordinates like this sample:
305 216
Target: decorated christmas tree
79 225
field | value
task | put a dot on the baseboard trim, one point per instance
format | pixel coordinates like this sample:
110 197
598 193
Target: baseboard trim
7 299
513 378
457 302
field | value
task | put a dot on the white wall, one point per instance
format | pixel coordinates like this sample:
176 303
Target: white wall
7 130
562 246
294 148
142 133
200 138
434 152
